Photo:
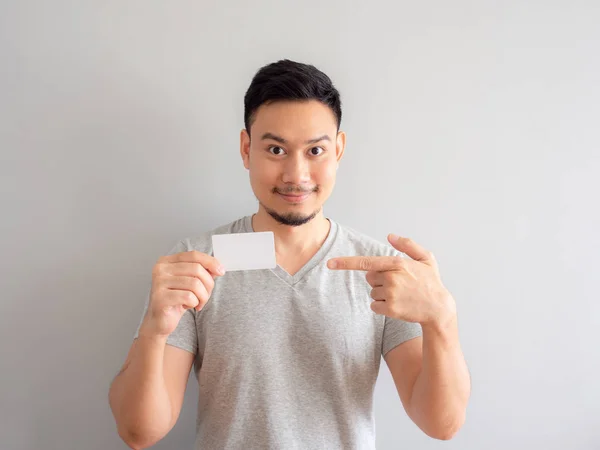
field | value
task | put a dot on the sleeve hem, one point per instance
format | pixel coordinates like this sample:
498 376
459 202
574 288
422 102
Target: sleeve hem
415 333
181 345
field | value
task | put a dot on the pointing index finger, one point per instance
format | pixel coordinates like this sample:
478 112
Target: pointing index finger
366 263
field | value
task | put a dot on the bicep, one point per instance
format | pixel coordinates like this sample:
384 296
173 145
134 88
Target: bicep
405 362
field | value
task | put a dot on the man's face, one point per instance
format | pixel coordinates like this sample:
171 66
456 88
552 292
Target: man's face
292 158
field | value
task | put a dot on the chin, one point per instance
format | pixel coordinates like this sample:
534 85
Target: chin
292 219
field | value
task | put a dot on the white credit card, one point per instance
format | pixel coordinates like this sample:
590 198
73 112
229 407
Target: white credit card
245 251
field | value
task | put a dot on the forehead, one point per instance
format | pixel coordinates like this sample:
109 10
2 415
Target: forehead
292 119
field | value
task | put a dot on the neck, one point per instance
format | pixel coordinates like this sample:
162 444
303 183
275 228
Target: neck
293 240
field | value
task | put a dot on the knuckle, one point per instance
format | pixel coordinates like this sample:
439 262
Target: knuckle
204 291
191 298
365 263
158 280
197 285
157 269
391 293
156 289
389 278
198 270
209 285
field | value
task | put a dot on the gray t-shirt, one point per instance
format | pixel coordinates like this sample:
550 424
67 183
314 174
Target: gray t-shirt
289 362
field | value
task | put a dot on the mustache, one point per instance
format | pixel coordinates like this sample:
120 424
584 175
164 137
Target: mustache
295 190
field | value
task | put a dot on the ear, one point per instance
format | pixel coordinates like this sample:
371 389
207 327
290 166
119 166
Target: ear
245 148
340 146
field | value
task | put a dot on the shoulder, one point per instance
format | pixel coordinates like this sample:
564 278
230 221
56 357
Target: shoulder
202 242
356 242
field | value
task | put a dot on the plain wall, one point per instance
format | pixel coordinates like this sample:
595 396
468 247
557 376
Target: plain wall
472 128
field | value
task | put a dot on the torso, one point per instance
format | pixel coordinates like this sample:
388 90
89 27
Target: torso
292 265
287 358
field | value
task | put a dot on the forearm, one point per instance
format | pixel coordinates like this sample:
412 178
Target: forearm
441 391
139 397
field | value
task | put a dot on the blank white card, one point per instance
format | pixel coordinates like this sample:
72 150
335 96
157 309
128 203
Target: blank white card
245 251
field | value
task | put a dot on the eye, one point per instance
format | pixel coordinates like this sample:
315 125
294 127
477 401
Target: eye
319 150
276 150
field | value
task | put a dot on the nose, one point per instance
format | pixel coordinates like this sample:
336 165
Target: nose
296 170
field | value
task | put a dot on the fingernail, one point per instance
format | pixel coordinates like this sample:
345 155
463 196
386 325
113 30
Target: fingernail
332 264
221 270
394 237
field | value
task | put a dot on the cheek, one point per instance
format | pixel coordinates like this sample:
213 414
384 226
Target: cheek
326 174
262 172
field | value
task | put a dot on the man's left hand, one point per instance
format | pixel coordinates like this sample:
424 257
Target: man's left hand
406 289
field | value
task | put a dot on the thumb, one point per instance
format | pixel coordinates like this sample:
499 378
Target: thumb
398 242
411 248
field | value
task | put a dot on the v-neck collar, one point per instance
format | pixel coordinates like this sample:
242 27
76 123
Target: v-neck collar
310 264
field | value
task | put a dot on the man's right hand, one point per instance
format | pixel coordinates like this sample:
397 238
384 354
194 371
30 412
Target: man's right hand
179 282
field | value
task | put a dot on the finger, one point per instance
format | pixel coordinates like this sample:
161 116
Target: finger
209 262
195 297
194 270
191 284
412 249
375 278
366 263
379 293
174 298
379 307
187 299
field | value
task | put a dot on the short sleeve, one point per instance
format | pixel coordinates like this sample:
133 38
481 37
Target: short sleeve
185 336
396 331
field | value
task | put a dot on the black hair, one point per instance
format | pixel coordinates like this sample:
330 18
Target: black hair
290 80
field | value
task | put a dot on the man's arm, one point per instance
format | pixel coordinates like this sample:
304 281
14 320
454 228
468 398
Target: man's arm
432 379
430 373
147 395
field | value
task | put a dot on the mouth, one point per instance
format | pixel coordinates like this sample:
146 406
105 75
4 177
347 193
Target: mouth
294 198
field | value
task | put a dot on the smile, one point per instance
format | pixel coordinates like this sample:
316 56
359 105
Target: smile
295 198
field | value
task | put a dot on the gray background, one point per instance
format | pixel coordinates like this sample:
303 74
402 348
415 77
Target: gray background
472 128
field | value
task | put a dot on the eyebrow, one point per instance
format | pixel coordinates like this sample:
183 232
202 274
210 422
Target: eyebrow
283 141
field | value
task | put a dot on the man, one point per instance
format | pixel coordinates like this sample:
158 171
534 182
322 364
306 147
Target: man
288 358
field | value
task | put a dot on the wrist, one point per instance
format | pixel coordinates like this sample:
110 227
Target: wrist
441 333
445 318
148 335
152 341
440 326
